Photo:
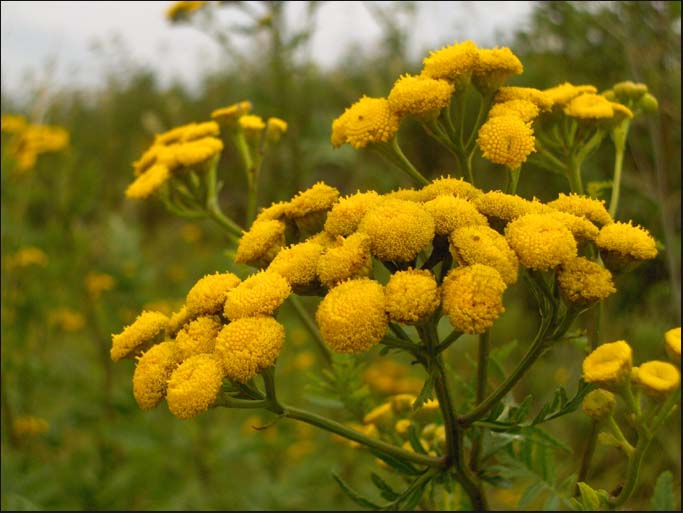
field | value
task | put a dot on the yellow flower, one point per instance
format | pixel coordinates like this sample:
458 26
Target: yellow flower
298 264
251 124
326 240
177 321
402 426
592 209
196 152
12 123
564 93
186 133
261 243
623 244
428 412
583 282
230 115
198 336
180 10
523 109
398 230
368 121
96 283
582 229
276 211
381 416
207 296
260 294
448 186
535 96
540 241
151 374
672 339
408 194
658 379
455 62
30 425
451 212
599 404
472 297
411 296
27 257
351 316
506 140
347 213
589 106
275 127
148 182
609 365
349 260
67 319
309 208
193 386
139 335
249 345
419 95
484 245
494 67
630 90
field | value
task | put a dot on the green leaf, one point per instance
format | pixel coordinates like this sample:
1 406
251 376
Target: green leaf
425 393
530 494
589 498
413 499
663 496
396 463
386 491
355 496
415 440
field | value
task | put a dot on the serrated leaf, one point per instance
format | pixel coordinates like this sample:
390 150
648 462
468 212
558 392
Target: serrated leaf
355 496
386 491
412 500
663 496
530 494
396 463
415 440
425 393
519 413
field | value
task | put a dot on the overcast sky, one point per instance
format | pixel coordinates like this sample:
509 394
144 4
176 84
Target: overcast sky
35 33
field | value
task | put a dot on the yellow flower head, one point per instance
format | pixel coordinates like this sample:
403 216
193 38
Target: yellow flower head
347 213
540 241
349 260
138 336
535 96
260 294
609 365
523 109
180 10
581 228
419 95
96 283
319 198
583 282
186 133
672 339
251 124
30 425
261 243
177 321
151 374
589 106
499 207
398 230
298 264
198 336
592 209
148 182
402 425
408 194
506 140
326 240
368 121
629 90
351 316
275 128
207 296
658 379
381 416
232 113
196 152
194 386
276 211
448 186
599 403
249 345
411 296
472 297
562 94
450 212
484 245
494 67
12 123
454 63
27 257
67 319
623 245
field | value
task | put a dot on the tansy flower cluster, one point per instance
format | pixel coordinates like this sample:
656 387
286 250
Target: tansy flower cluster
28 141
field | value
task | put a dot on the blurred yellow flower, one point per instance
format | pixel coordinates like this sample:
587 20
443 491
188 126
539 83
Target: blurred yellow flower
539 98
96 283
67 319
598 404
231 114
148 182
523 109
589 106
275 128
180 10
494 67
30 425
12 123
26 257
672 339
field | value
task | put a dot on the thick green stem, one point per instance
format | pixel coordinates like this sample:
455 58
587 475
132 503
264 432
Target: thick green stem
587 455
231 227
407 166
573 172
616 180
632 473
513 180
482 381
312 328
346 432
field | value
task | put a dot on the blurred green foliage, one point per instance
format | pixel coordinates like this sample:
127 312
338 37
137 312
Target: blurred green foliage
101 451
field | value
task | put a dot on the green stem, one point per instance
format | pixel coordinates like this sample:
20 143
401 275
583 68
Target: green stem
616 431
346 432
482 381
445 343
616 180
573 172
232 402
407 166
632 473
399 343
535 351
587 455
312 328
231 227
513 180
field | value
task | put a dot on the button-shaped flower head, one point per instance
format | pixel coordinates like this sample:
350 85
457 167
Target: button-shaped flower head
609 365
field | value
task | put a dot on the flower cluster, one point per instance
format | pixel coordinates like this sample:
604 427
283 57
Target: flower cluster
28 141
